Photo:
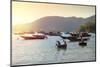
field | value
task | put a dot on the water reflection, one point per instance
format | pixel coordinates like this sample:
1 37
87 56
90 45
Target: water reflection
61 52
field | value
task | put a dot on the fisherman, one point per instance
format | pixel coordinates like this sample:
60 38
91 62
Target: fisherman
81 35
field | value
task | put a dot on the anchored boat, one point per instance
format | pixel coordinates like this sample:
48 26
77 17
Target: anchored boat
60 45
34 36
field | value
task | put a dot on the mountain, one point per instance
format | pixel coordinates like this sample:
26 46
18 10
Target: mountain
54 23
91 19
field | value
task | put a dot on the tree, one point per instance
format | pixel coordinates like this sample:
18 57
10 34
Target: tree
89 27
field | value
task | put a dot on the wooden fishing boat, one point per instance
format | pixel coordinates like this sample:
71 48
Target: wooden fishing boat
59 45
33 36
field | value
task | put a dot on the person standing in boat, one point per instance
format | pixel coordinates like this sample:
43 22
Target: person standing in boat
81 35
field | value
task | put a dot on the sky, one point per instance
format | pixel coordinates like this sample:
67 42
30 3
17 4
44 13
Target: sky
27 12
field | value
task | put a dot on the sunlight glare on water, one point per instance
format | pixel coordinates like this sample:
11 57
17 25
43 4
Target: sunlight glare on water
45 51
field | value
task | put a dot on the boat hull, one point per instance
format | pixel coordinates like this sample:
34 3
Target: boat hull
61 46
75 38
29 38
82 43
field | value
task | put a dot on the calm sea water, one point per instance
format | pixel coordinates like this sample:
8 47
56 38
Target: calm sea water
45 51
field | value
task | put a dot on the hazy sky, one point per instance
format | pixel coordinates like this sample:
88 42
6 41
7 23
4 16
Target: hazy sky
26 12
